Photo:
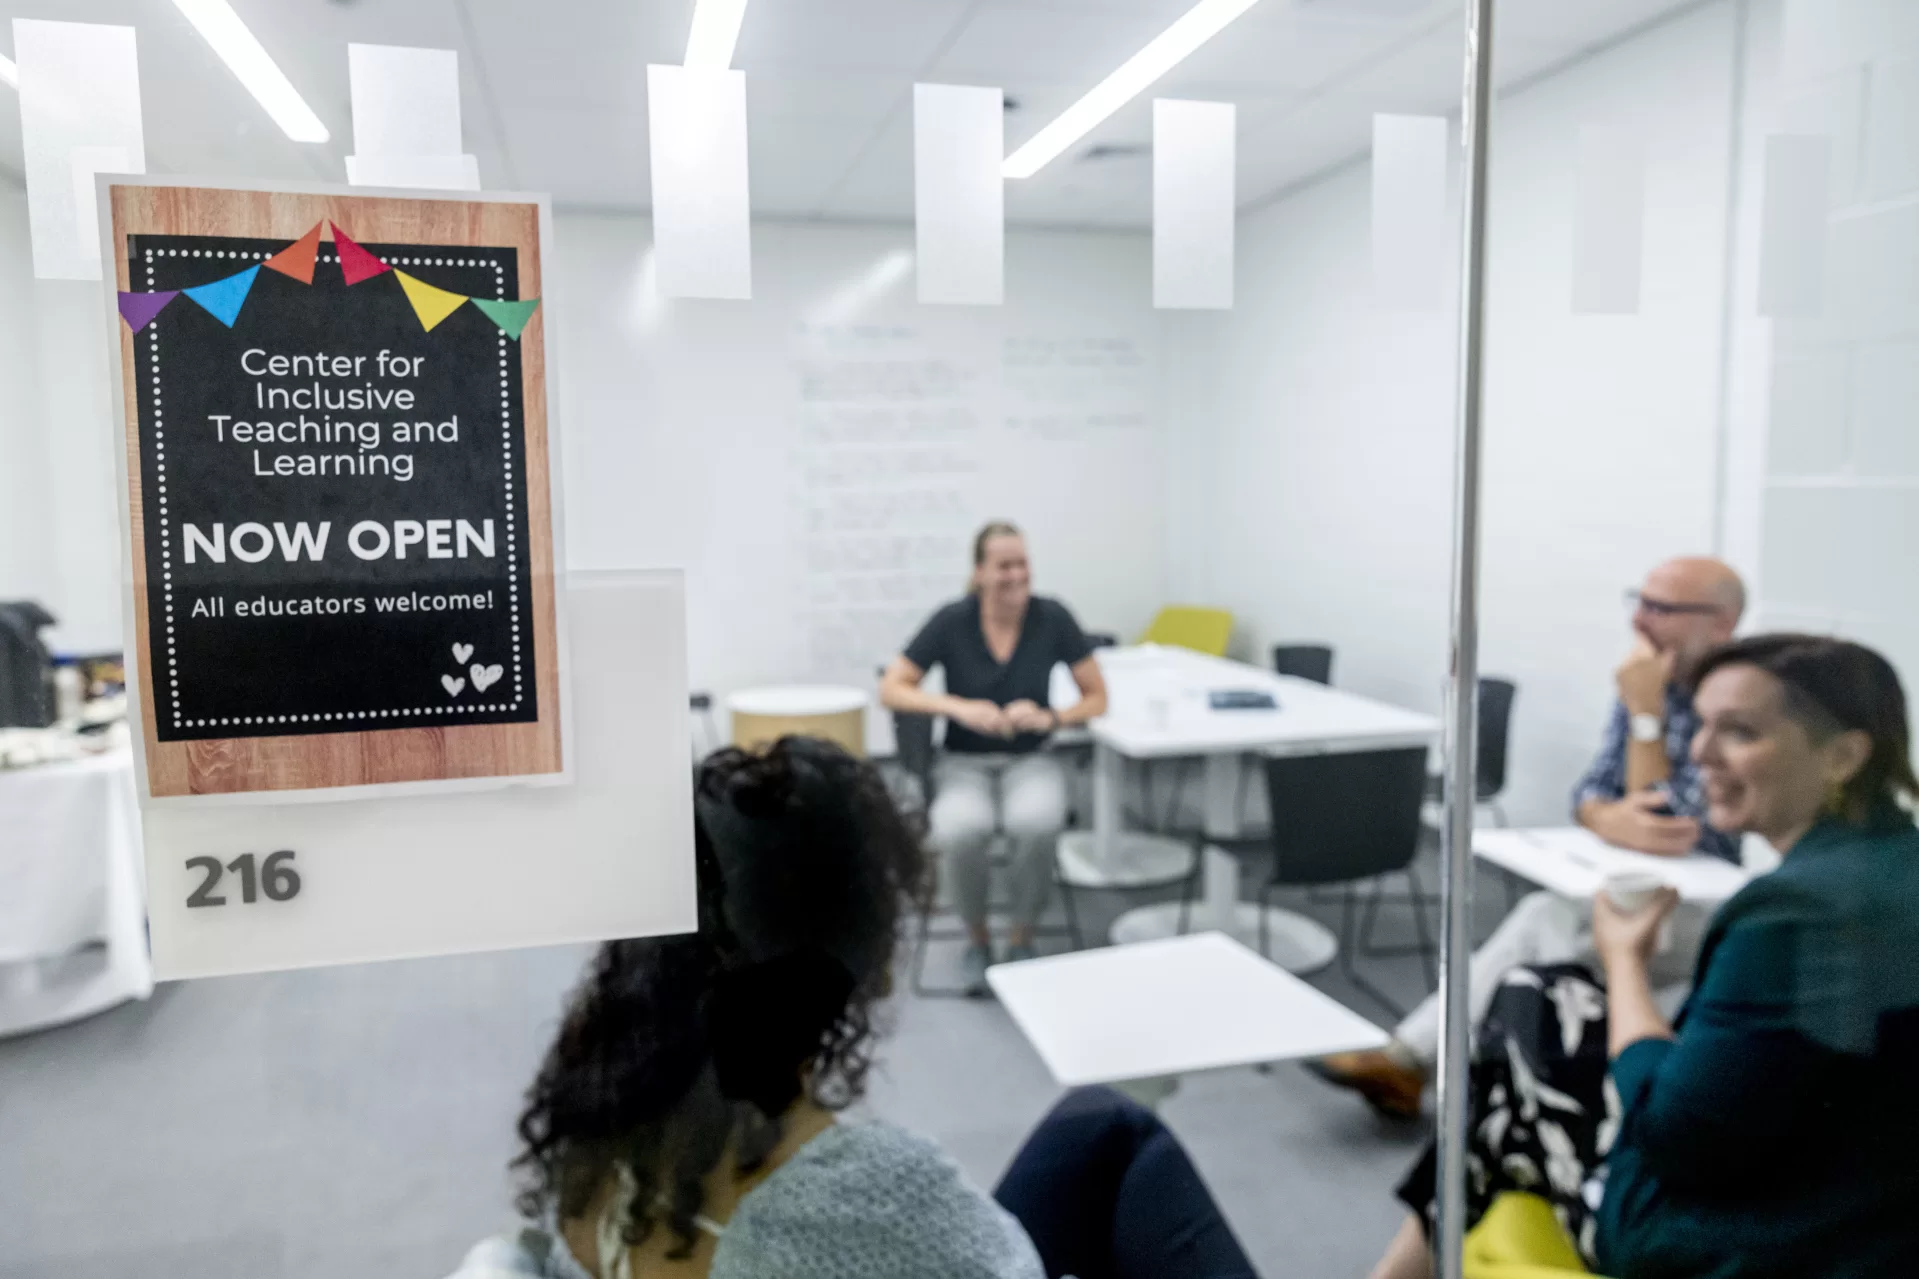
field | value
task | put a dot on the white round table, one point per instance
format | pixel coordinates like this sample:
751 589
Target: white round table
74 877
761 716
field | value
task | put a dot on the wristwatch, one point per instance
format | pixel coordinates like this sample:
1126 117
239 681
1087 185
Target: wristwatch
1646 728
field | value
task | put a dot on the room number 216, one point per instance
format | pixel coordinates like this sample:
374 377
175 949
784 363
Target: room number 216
275 876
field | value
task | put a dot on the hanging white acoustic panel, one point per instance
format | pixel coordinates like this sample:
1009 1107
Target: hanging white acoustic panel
79 115
1609 217
1193 188
1792 225
406 119
702 230
959 195
1409 211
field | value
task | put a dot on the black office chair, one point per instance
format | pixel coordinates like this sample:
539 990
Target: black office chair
1347 819
1496 698
1304 661
1495 729
1102 639
916 754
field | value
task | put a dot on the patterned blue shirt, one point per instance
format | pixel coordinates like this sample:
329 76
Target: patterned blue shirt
1606 779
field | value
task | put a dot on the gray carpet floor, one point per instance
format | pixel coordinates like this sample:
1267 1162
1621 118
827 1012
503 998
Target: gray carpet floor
355 1123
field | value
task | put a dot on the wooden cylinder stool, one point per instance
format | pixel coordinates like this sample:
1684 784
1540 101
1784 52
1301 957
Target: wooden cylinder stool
762 716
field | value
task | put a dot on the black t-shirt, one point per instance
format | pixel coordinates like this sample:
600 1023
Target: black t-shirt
952 638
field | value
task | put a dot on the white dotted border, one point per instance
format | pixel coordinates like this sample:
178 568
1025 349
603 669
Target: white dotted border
166 548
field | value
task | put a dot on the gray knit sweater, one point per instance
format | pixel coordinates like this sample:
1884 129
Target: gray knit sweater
859 1201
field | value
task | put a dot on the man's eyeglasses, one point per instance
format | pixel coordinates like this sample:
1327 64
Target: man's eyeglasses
1667 608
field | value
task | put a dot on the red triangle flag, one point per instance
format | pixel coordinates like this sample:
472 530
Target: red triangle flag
296 260
356 264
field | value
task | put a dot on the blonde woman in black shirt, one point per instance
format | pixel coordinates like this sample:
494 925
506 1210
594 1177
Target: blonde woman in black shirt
997 646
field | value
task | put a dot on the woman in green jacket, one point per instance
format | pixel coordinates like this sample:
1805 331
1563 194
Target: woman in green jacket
1772 1129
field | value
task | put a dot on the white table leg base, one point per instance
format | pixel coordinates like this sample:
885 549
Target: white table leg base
1294 942
1133 858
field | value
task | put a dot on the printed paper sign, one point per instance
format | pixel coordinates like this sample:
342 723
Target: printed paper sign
339 489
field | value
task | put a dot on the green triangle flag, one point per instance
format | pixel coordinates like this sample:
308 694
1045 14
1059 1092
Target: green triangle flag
510 316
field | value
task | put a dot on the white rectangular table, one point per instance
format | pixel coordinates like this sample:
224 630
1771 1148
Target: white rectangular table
1159 708
1155 1010
1573 862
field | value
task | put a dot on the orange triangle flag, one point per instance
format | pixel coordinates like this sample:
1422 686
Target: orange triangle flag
296 260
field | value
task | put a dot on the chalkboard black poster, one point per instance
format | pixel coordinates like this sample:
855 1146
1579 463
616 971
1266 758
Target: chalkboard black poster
342 524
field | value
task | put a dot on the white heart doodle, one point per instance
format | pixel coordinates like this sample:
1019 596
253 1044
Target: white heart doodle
483 676
461 652
453 686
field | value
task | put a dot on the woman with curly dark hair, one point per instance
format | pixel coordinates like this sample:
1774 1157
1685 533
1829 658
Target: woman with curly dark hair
684 1121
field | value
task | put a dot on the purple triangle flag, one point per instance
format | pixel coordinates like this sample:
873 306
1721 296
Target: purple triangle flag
138 309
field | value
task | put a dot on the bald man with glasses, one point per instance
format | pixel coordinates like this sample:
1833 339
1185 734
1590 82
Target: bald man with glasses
1642 791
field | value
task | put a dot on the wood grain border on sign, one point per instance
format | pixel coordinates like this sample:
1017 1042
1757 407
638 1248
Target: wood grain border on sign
230 766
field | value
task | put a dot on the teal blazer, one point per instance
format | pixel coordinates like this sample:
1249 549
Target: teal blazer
1778 1134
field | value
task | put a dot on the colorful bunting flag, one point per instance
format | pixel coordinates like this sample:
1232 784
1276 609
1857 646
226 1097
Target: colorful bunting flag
296 260
429 303
138 309
512 317
223 298
356 264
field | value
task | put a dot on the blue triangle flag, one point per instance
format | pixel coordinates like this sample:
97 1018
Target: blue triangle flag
223 298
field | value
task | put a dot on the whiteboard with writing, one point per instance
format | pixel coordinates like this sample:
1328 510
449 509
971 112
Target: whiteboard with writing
818 459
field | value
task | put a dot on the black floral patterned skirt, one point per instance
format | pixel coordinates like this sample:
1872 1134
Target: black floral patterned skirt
1544 1110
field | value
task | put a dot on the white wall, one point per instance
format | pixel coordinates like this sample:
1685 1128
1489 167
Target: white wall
25 570
1837 516
59 530
1322 504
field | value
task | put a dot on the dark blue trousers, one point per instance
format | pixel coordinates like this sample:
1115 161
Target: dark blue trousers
1106 1192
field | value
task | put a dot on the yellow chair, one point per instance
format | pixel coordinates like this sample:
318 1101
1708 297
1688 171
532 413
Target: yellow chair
1204 630
1520 1238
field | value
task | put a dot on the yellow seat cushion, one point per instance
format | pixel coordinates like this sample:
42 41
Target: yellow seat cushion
1519 1238
1204 630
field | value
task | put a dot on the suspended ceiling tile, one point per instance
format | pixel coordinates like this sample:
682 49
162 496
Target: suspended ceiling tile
1074 46
898 35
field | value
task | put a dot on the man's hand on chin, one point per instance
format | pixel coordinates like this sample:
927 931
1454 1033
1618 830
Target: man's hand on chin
1642 678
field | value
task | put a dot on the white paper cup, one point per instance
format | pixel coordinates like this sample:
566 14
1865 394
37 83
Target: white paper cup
1633 892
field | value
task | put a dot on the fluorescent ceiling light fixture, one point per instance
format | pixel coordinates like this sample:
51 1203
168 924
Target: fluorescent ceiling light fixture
9 72
1165 51
716 28
230 38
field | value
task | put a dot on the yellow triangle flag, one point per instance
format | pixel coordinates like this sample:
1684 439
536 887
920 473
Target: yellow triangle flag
430 304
